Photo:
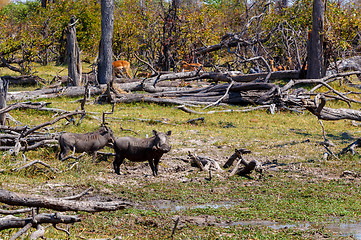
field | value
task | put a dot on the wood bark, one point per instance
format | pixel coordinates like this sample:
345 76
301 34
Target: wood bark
74 62
20 80
75 91
237 154
247 168
325 113
204 163
17 199
3 93
316 61
105 68
53 218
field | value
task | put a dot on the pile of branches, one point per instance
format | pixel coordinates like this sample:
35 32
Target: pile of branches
25 138
240 91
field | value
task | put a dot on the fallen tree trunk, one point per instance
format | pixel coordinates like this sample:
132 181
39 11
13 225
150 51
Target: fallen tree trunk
53 218
239 77
20 80
17 199
75 91
149 85
331 114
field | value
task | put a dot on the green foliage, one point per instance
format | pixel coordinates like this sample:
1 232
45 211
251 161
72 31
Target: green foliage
20 11
342 28
39 34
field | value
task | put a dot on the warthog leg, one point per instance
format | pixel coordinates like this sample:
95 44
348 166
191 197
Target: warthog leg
151 164
95 156
118 160
64 151
156 164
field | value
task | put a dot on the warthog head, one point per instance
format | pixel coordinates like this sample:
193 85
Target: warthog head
161 141
107 132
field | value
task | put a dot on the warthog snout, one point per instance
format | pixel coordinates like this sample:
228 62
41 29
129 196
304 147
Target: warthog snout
164 148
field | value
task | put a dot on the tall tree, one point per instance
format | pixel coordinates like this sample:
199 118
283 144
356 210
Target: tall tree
170 31
74 62
316 61
105 47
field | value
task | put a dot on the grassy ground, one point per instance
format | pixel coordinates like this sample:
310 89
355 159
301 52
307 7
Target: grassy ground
299 196
299 186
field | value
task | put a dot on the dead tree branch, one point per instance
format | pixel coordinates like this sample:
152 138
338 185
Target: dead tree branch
351 147
33 163
78 196
11 212
51 122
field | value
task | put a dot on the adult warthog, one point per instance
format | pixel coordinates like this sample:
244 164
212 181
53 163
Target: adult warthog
141 149
87 142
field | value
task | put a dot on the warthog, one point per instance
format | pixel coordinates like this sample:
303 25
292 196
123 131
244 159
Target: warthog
87 142
141 149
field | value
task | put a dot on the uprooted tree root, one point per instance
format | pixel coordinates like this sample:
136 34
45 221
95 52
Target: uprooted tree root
242 167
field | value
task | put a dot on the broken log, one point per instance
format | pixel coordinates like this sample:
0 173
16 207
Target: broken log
237 77
329 114
53 218
204 163
247 168
17 199
75 91
237 154
21 80
149 84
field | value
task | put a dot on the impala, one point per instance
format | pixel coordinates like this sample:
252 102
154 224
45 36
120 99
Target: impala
190 66
119 65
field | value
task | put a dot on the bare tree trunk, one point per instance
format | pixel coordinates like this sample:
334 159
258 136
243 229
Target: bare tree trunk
166 60
316 61
3 93
105 49
74 63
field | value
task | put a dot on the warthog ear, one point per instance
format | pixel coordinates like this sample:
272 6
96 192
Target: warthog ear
155 132
169 133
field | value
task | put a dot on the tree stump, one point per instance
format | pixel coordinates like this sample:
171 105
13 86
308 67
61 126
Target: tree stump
74 63
3 92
